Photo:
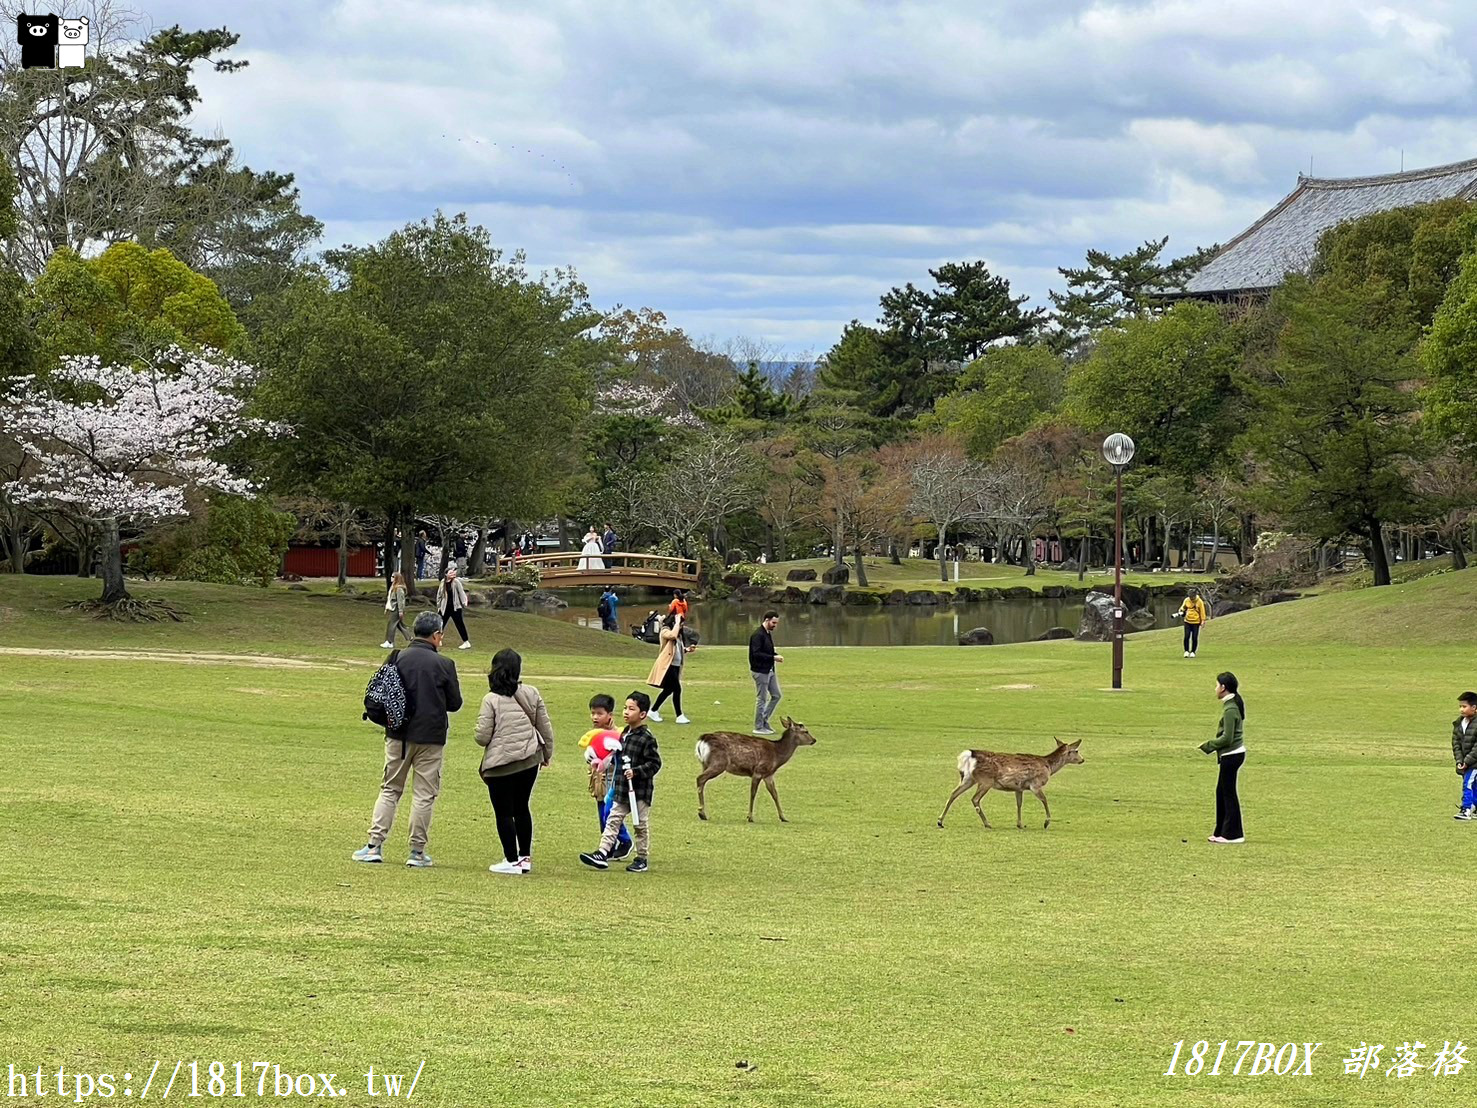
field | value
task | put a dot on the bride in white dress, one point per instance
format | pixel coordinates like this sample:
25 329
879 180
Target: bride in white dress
590 554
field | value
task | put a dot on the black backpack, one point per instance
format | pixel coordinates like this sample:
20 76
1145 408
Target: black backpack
384 698
603 608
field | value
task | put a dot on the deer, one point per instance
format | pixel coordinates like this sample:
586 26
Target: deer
748 756
986 770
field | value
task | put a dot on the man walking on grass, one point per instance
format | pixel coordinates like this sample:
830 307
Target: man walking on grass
762 659
431 692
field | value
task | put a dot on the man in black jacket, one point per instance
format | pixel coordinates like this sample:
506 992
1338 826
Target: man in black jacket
761 668
431 693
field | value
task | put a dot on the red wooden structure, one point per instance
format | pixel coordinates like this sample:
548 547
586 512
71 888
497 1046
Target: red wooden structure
322 561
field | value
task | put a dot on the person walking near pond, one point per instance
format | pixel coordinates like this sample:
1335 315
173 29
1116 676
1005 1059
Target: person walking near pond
395 605
514 729
1195 613
762 659
666 672
418 745
421 549
1229 747
451 599
609 610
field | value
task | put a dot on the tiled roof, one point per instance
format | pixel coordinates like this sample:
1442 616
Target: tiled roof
1283 240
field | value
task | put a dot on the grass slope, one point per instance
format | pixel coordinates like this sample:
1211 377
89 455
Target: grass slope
176 877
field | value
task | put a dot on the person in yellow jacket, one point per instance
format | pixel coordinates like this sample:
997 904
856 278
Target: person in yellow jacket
1195 613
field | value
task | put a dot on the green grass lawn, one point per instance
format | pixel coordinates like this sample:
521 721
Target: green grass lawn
176 883
921 573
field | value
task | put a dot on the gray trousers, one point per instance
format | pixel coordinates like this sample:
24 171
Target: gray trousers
766 685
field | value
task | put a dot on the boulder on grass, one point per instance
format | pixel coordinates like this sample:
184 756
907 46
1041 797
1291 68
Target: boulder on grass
1229 608
1019 592
1097 618
1140 619
859 599
1054 633
735 580
923 596
978 636
792 595
800 575
1053 592
963 594
836 575
897 596
508 599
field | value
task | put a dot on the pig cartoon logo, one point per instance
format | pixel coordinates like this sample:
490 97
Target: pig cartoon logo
37 36
71 50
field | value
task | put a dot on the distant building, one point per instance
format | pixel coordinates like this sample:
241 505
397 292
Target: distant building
1284 240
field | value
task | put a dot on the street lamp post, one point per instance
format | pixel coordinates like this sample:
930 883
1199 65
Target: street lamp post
1118 450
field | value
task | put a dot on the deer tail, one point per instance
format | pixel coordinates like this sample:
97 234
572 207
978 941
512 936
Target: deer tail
704 751
966 764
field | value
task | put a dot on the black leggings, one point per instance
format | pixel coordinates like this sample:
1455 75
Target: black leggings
509 795
454 615
1227 803
671 686
1192 637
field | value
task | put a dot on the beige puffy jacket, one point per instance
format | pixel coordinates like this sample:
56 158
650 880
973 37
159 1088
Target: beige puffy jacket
514 729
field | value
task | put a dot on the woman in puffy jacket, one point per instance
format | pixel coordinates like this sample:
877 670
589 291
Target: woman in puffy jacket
514 729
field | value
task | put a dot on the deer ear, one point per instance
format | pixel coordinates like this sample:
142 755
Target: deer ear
1076 744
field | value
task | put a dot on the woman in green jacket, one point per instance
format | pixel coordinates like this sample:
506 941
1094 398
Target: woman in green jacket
1230 751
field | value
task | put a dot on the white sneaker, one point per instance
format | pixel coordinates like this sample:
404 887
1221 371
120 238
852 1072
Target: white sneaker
1192 654
387 646
525 864
465 646
1187 654
683 719
654 716
505 867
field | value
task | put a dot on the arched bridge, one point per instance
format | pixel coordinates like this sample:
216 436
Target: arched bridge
573 570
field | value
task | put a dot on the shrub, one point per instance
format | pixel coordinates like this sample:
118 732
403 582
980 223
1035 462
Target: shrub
763 578
524 577
244 542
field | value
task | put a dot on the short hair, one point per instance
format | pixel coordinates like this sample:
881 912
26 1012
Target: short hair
641 700
507 666
604 701
426 625
771 614
1468 698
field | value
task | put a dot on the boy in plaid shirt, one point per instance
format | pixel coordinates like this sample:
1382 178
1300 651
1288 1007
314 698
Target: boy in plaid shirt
636 765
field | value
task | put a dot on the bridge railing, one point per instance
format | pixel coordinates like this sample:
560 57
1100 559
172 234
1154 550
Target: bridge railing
572 564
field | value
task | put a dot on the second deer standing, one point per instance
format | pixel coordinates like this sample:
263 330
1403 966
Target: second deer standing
984 770
747 756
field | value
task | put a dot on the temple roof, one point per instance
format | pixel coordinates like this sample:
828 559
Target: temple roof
1283 241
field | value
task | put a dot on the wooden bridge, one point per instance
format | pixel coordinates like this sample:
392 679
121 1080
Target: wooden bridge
572 570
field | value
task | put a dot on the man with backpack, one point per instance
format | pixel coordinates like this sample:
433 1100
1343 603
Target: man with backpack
607 610
414 743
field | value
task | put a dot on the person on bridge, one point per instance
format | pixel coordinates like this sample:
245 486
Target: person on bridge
590 555
608 540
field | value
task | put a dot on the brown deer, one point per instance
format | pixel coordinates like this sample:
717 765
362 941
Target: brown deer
748 756
986 770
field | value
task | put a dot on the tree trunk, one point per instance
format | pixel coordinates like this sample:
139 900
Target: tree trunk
1082 551
1215 544
477 559
861 569
563 536
939 553
18 537
114 589
769 543
1028 555
838 548
1458 555
406 518
892 554
1380 558
343 546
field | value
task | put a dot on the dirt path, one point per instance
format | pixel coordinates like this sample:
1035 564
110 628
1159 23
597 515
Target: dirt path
256 661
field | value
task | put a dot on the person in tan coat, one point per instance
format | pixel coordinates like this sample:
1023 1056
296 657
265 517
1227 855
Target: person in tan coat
451 598
517 738
666 672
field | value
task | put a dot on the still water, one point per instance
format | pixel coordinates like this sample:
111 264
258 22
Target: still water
725 623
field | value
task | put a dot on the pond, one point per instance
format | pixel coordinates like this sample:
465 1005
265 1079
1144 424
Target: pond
726 623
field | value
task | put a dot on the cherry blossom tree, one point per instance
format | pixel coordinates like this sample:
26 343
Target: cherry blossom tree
114 445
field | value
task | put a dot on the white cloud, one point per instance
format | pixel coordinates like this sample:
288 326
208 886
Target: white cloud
773 167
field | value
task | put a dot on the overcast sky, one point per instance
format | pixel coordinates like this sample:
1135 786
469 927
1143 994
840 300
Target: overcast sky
769 169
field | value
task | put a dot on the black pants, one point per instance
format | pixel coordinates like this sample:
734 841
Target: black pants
671 686
1192 636
509 795
1227 803
454 615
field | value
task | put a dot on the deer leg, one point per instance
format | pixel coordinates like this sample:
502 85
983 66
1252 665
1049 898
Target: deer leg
702 779
955 795
753 792
1041 796
975 800
1020 795
769 784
